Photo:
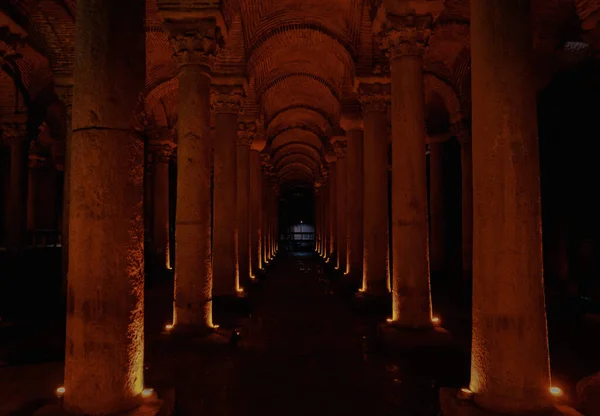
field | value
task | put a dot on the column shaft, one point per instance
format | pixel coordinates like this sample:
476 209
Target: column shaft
467 205
437 208
332 231
410 257
375 199
16 220
193 220
256 213
225 273
104 359
243 211
509 365
355 202
342 208
160 224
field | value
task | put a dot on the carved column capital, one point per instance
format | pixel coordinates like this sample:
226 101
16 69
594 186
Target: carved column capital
405 35
161 150
64 91
246 133
374 97
194 42
37 162
226 98
341 149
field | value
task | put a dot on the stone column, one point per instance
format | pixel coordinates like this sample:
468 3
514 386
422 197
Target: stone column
332 223
374 99
194 49
41 197
264 212
162 151
510 371
14 134
227 100
464 139
353 125
404 39
342 205
63 87
255 210
104 359
437 205
325 214
246 133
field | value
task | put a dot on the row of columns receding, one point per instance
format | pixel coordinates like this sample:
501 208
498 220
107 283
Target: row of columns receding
105 330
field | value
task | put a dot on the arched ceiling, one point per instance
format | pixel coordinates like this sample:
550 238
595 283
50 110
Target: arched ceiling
300 59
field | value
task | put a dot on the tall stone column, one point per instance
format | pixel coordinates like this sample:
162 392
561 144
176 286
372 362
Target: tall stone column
41 199
246 133
317 194
437 205
63 87
332 223
405 38
161 149
353 125
510 371
194 49
104 359
14 134
227 100
374 99
342 205
326 217
256 263
264 212
464 139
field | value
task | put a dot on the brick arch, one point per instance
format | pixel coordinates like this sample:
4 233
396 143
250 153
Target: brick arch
439 92
295 136
296 148
297 158
291 117
11 100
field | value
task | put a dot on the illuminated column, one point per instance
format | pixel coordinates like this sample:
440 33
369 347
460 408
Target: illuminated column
374 99
353 124
510 371
63 87
161 149
325 214
255 209
104 358
342 205
463 136
226 102
194 49
332 225
317 217
246 133
405 38
14 132
437 206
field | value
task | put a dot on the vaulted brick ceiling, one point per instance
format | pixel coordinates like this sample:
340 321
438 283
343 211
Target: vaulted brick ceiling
300 58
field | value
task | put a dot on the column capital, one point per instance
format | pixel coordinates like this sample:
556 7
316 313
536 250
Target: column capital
405 35
194 41
64 91
14 129
341 149
38 162
226 99
374 97
260 141
352 118
246 133
162 150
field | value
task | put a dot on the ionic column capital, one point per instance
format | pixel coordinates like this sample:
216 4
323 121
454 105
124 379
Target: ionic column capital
195 42
226 99
374 97
405 35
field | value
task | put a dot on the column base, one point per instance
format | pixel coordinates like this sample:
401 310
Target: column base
150 406
395 337
453 405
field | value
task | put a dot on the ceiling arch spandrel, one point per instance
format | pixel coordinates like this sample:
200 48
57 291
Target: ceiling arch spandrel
300 92
295 136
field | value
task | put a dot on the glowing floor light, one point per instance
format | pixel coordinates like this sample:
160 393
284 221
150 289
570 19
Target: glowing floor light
147 393
60 391
556 391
